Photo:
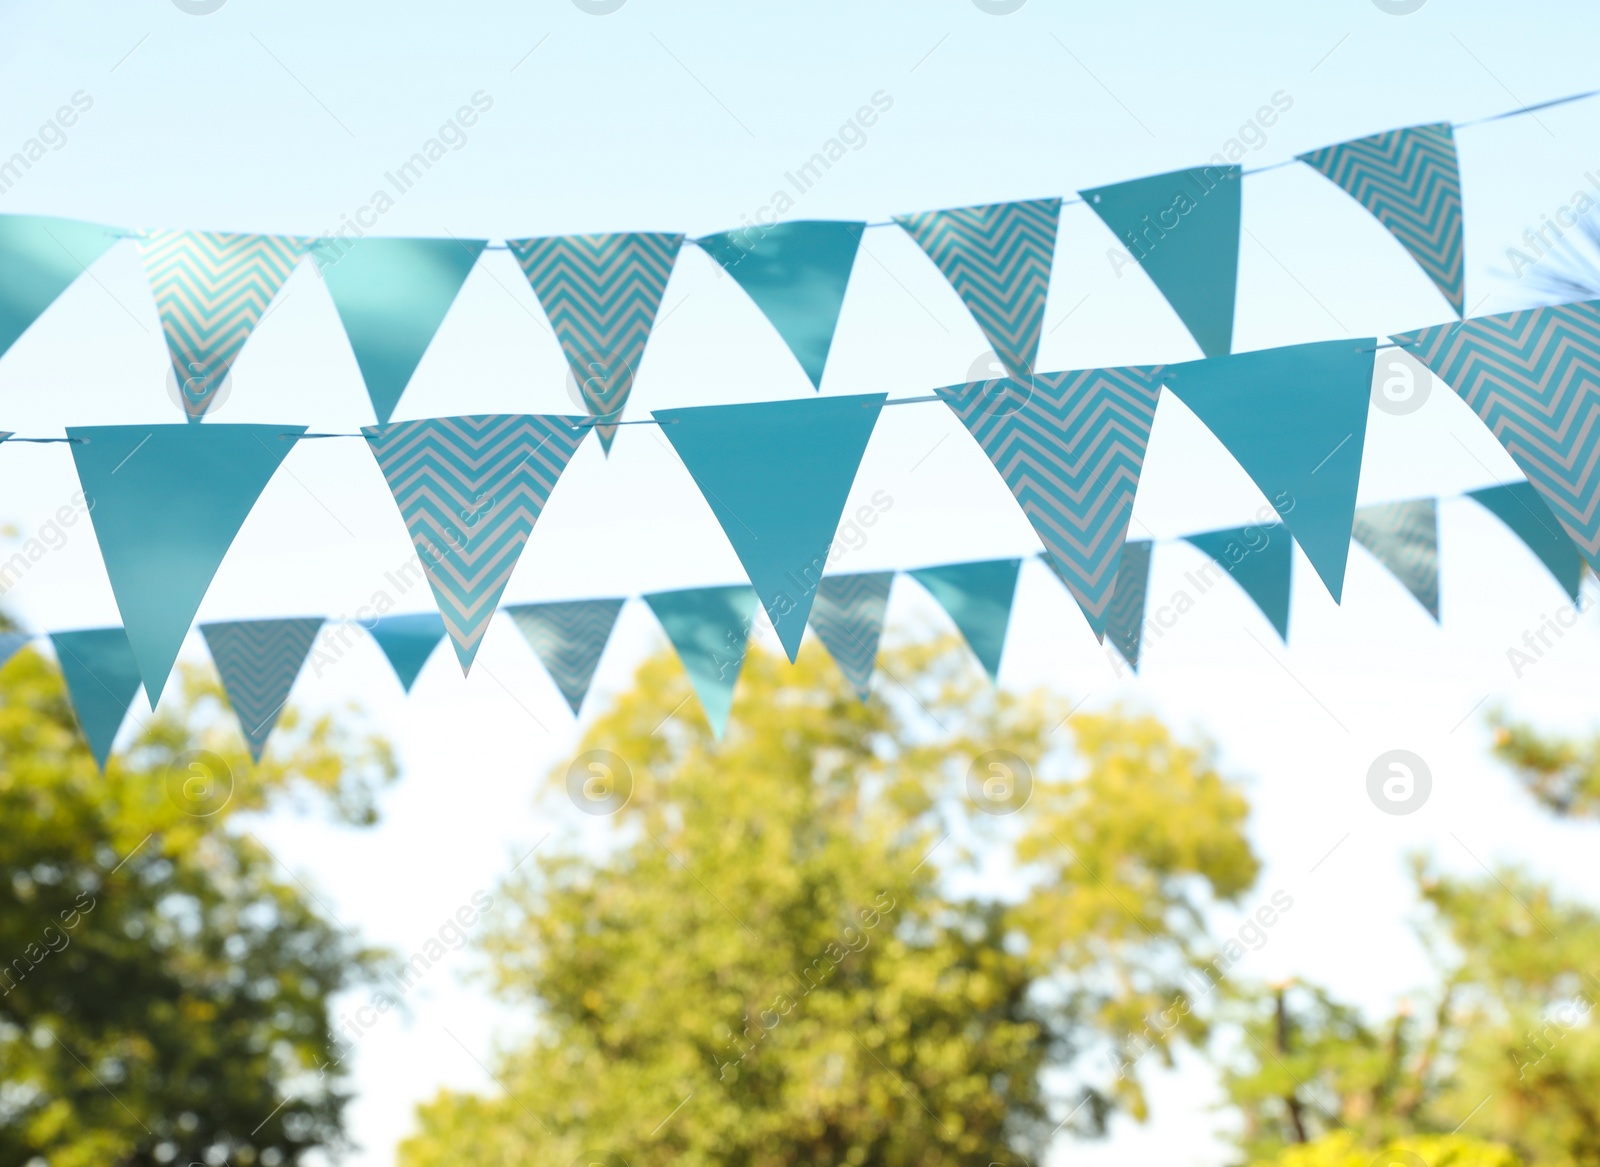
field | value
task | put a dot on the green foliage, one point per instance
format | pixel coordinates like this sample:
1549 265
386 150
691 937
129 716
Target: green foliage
1342 1150
1561 773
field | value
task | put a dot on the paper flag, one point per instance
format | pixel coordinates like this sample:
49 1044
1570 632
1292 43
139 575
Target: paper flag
601 293
568 638
1296 419
1534 379
977 596
997 258
796 273
1404 537
1183 228
710 629
211 290
1070 446
848 618
470 490
39 259
166 502
1408 180
102 677
777 474
408 641
1260 559
392 295
1519 506
258 661
1125 616
11 643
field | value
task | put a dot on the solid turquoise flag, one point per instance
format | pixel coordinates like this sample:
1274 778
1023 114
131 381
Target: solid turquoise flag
258 661
977 596
1183 228
848 618
1296 419
1404 537
102 677
392 295
569 638
1260 559
408 641
1520 506
777 474
39 259
710 629
166 502
796 273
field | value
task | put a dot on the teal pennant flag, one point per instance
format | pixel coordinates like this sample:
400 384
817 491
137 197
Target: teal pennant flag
39 259
11 643
1125 617
796 273
1519 506
1404 537
777 474
977 597
102 679
258 661
392 295
848 618
408 640
1261 561
710 630
166 502
569 638
1296 420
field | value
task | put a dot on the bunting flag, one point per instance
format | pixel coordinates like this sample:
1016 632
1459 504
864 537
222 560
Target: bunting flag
1519 506
258 661
777 475
166 502
848 618
796 273
11 643
1125 616
710 631
211 290
977 597
1404 537
1183 228
568 638
1296 419
102 677
601 293
40 257
392 295
998 259
1260 559
1533 377
470 490
1070 448
408 641
1409 181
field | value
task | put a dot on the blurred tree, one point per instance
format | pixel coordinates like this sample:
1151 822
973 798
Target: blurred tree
1342 1150
1561 773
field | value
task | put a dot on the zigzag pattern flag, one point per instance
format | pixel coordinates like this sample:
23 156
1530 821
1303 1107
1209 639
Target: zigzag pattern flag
102 679
1409 181
997 258
1125 615
470 490
1518 506
847 616
1404 537
1534 379
568 638
211 289
258 661
601 293
1070 448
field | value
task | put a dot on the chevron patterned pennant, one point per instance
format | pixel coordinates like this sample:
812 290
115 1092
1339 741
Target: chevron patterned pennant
568 638
1070 448
1404 537
211 290
601 293
470 490
1125 614
847 616
1533 377
998 259
258 661
1409 181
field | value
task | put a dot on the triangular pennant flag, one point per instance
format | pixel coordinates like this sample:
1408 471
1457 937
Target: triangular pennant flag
11 643
1519 506
848 618
408 641
470 490
777 474
1070 446
977 596
1534 379
1296 419
1183 228
568 638
166 502
1260 559
4 434
1125 616
392 295
1404 537
601 293
102 677
709 628
1408 180
997 258
39 259
258 661
796 273
211 290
